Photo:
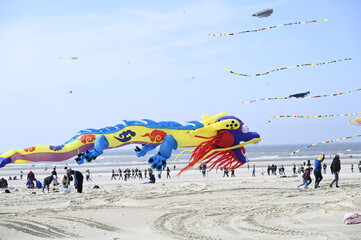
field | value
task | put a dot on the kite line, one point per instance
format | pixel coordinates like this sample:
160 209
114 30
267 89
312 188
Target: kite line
316 116
329 141
318 96
266 28
284 68
355 122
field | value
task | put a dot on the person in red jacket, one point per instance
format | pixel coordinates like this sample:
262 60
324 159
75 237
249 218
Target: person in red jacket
31 176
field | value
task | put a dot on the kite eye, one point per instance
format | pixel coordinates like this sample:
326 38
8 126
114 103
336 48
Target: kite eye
245 128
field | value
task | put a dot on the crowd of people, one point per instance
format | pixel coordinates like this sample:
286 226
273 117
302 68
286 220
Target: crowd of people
318 168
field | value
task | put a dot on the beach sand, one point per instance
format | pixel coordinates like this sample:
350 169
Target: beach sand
185 207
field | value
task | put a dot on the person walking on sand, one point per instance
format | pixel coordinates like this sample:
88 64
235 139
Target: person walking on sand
335 169
306 177
324 168
254 170
317 171
225 172
113 175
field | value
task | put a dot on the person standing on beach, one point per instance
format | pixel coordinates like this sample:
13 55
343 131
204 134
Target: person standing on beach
168 172
55 176
294 169
87 175
324 168
335 169
318 171
120 174
21 175
351 167
78 180
254 171
204 170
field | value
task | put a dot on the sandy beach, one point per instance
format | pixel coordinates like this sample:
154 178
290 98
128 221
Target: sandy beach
187 207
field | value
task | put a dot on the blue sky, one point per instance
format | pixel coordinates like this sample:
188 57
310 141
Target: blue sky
137 59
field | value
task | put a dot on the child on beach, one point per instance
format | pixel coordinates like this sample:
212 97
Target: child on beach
87 175
306 178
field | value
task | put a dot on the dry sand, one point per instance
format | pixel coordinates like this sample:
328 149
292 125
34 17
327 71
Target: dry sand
186 207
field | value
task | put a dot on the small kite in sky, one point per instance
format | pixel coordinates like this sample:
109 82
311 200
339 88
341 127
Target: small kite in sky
284 68
329 141
355 122
263 13
72 58
300 95
318 96
266 28
316 116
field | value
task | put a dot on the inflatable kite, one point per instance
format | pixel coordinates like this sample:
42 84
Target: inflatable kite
355 122
263 13
266 28
316 116
284 68
282 98
329 141
216 139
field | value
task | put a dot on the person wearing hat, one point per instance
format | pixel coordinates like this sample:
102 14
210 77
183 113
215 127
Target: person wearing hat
317 171
335 169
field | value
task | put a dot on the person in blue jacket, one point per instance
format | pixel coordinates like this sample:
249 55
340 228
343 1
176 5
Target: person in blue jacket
317 170
38 184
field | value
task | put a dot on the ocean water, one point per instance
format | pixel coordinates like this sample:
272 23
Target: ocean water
272 153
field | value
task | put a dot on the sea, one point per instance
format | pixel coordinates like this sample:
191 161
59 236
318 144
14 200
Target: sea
256 152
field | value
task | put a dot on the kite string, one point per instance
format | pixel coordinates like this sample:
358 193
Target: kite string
266 28
328 141
284 68
284 98
315 116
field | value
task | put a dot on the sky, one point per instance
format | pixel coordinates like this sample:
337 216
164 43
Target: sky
154 60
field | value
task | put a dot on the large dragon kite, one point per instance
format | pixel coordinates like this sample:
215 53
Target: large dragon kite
216 140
